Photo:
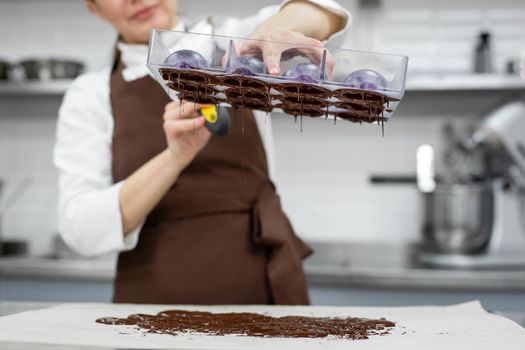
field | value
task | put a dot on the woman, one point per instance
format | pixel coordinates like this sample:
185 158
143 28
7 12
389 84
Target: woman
142 176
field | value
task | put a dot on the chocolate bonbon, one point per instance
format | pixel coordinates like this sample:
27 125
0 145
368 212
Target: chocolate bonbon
294 98
175 322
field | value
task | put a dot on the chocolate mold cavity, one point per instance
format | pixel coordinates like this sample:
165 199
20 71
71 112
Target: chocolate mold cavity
243 81
361 95
246 92
184 87
348 93
304 100
359 117
297 110
251 103
165 74
200 98
303 89
191 76
360 107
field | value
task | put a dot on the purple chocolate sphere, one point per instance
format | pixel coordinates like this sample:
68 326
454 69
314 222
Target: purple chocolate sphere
304 73
366 79
248 65
186 59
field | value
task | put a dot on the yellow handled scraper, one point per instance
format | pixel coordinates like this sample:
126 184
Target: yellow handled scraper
217 119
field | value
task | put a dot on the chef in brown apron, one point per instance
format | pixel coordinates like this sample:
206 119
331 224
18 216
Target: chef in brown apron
197 216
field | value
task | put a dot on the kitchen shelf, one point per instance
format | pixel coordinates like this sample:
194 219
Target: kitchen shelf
415 83
464 82
21 88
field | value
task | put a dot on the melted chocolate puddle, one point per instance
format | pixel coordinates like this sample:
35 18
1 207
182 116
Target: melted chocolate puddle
174 322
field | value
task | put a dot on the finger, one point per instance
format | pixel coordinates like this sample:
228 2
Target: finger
176 104
329 65
248 48
244 48
272 58
312 47
305 40
315 54
186 111
175 128
171 105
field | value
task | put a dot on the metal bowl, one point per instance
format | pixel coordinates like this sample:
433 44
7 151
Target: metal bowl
458 218
65 69
44 69
5 69
36 69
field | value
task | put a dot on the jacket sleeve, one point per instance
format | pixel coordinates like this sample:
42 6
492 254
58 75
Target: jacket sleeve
244 27
89 212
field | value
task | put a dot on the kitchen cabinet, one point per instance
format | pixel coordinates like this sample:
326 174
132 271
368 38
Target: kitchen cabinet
338 274
341 296
28 88
58 280
51 289
417 83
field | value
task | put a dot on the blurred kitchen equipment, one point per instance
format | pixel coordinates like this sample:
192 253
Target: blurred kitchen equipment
513 66
11 246
497 203
474 218
458 218
36 69
65 69
1 206
462 163
483 54
425 169
503 135
45 69
5 69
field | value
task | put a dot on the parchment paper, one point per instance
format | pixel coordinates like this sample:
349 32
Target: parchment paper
464 326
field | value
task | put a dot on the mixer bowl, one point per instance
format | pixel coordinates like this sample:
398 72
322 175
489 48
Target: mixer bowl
458 218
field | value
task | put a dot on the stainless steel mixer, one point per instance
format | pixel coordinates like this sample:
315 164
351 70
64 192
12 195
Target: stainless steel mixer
474 215
458 218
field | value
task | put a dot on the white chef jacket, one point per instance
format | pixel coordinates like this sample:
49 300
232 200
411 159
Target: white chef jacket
90 220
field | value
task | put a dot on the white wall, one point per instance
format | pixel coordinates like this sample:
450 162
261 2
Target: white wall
323 171
26 139
440 35
53 28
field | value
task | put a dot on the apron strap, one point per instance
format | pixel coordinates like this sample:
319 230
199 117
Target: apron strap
272 229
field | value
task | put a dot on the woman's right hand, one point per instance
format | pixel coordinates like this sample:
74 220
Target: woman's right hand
185 131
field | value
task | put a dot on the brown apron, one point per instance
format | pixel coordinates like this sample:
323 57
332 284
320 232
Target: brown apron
219 236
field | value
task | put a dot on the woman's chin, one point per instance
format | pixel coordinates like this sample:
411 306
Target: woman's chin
161 21
142 31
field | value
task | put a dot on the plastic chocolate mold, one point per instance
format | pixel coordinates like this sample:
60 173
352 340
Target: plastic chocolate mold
359 86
